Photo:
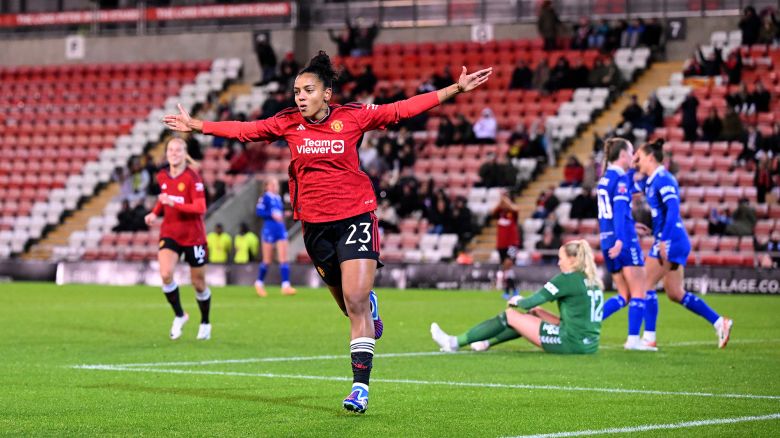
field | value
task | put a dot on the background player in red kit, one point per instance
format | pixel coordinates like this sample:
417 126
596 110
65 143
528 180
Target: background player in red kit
507 244
183 202
331 195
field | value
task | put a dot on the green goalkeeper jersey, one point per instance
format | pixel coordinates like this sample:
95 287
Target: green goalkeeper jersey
580 305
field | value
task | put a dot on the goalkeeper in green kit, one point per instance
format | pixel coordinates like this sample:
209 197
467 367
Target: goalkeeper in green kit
578 291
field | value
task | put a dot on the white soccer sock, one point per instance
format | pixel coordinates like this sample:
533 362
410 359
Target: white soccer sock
362 344
203 296
285 284
649 336
168 288
632 339
718 324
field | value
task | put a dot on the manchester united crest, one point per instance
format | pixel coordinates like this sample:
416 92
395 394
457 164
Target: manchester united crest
336 125
181 186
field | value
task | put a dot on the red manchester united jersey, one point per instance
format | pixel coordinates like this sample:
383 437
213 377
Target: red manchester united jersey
187 229
326 183
507 234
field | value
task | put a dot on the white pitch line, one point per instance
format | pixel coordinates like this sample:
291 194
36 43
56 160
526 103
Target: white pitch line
432 382
648 427
389 355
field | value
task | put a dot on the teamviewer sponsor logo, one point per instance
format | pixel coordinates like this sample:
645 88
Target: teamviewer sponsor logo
310 146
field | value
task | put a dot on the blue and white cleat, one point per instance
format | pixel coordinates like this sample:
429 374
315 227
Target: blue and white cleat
358 398
378 326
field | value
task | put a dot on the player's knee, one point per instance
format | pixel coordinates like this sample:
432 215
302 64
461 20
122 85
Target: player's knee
199 283
356 303
167 276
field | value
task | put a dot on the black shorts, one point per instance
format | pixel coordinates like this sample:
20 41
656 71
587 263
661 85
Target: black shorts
331 243
508 253
195 255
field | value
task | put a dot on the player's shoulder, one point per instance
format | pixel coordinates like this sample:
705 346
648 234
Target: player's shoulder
352 106
288 116
192 173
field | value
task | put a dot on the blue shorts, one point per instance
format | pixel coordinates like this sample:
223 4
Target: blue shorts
274 232
630 255
677 250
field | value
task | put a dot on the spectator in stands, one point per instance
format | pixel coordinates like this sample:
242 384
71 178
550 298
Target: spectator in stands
743 220
219 190
712 126
633 112
592 172
733 129
548 245
486 127
582 33
363 38
573 173
654 114
522 77
125 220
632 35
546 203
751 144
246 244
408 202
712 63
427 195
605 74
760 97
443 78
651 37
426 86
771 144
446 131
220 244
585 205
462 221
541 76
560 75
273 104
763 178
733 67
518 142
496 172
343 40
717 222
365 82
615 33
387 217
266 57
768 31
598 35
406 156
139 180
464 132
750 25
741 101
548 25
440 217
692 66
288 70
690 123
578 75
669 163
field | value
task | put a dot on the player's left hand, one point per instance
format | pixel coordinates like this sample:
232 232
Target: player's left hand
615 250
164 199
468 82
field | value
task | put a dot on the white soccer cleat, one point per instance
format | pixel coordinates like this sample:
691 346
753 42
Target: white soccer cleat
204 332
724 331
639 346
448 344
178 323
480 345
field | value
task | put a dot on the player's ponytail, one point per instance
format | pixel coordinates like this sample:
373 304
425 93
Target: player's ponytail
612 149
321 66
656 149
584 261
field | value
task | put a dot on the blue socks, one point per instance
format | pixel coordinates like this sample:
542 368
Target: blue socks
651 310
699 307
261 271
284 269
636 312
612 305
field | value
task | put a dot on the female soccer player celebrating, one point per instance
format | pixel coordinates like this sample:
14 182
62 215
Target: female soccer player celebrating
577 289
271 208
619 241
670 250
331 195
183 201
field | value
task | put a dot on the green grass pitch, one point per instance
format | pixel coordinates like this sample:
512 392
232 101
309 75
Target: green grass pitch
290 371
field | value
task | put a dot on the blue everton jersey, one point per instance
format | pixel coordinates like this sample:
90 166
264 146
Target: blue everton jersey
614 202
271 203
663 198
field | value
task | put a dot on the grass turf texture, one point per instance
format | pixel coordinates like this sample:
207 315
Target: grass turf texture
46 330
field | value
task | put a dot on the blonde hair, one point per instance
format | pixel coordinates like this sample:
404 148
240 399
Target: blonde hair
187 158
584 261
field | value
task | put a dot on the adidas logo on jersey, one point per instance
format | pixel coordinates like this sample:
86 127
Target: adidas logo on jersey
301 127
363 248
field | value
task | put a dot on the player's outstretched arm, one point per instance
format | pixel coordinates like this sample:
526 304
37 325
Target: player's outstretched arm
182 122
466 82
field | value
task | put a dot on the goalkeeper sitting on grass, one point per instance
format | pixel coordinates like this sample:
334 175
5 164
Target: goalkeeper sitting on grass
578 291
